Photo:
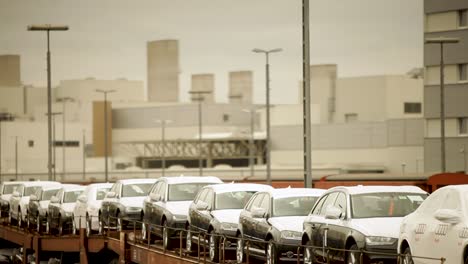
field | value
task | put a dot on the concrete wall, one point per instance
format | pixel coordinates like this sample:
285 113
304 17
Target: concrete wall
163 70
455 158
241 84
12 99
205 83
99 128
10 71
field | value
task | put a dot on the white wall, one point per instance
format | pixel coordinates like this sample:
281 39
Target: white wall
12 99
433 128
401 89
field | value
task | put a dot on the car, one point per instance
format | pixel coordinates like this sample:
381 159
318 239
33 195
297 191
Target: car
272 218
166 206
6 191
351 219
438 228
123 203
216 211
86 211
60 211
19 201
39 205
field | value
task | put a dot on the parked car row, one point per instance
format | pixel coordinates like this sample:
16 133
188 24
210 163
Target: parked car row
378 220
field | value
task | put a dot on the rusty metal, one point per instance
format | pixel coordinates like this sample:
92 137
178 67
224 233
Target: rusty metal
299 255
180 242
204 248
198 245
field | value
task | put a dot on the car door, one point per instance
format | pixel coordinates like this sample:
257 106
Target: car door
318 225
114 202
195 214
147 203
245 220
262 226
205 215
336 230
158 207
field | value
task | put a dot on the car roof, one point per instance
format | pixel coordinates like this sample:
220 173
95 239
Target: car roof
13 182
191 179
378 189
294 192
233 187
460 188
53 187
39 183
100 185
72 187
134 181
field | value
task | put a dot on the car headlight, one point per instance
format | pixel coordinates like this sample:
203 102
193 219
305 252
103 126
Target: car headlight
69 214
229 226
179 217
132 209
380 241
291 234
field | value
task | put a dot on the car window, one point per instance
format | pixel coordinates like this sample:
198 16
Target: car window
329 201
266 203
31 190
59 195
136 189
232 200
432 203
184 191
201 195
101 193
209 198
162 190
293 206
156 187
340 203
115 188
71 196
10 188
318 207
255 201
369 205
47 195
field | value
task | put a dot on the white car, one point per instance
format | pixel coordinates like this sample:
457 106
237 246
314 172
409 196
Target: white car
438 228
86 211
358 218
6 191
60 212
19 201
39 205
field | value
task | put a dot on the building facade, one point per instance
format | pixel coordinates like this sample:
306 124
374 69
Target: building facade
446 18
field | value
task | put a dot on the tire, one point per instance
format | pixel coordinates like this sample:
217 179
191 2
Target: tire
60 226
352 257
408 258
308 253
166 237
271 253
240 256
213 247
188 240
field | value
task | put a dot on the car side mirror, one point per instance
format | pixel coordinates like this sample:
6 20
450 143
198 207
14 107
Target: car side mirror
332 212
83 199
54 199
448 216
110 195
33 197
258 213
155 197
202 206
16 194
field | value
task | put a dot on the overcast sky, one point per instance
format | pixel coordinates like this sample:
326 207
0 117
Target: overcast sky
107 38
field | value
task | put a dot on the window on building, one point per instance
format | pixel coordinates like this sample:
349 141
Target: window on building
31 143
225 117
412 108
66 143
463 18
351 117
463 126
463 72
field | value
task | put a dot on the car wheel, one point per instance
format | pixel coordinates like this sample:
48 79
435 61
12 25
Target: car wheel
408 258
73 225
308 253
38 224
240 256
166 237
88 225
188 240
214 247
60 226
271 253
352 256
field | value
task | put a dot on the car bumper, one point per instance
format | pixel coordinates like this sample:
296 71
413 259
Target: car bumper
5 208
288 249
382 252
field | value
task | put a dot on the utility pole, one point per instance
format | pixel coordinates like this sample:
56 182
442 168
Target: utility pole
163 142
306 95
84 154
64 101
199 98
106 147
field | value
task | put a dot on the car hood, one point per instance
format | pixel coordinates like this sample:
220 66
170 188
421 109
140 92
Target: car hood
290 223
44 204
132 201
380 226
178 208
68 207
227 216
5 197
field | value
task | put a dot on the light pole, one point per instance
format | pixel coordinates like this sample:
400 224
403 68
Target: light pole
64 101
163 142
16 157
199 98
106 148
84 154
3 117
306 128
441 41
47 29
54 143
268 145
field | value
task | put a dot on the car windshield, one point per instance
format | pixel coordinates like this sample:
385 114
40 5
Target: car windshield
31 190
385 204
293 206
136 190
101 193
184 191
10 188
71 196
232 200
46 195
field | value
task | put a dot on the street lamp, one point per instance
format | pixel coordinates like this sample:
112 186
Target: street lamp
106 152
47 28
441 41
163 142
64 100
267 69
54 143
199 98
3 117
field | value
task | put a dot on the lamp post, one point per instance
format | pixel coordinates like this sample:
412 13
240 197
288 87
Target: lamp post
306 128
199 97
106 148
64 101
48 29
252 111
163 142
267 70
441 41
16 157
54 166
